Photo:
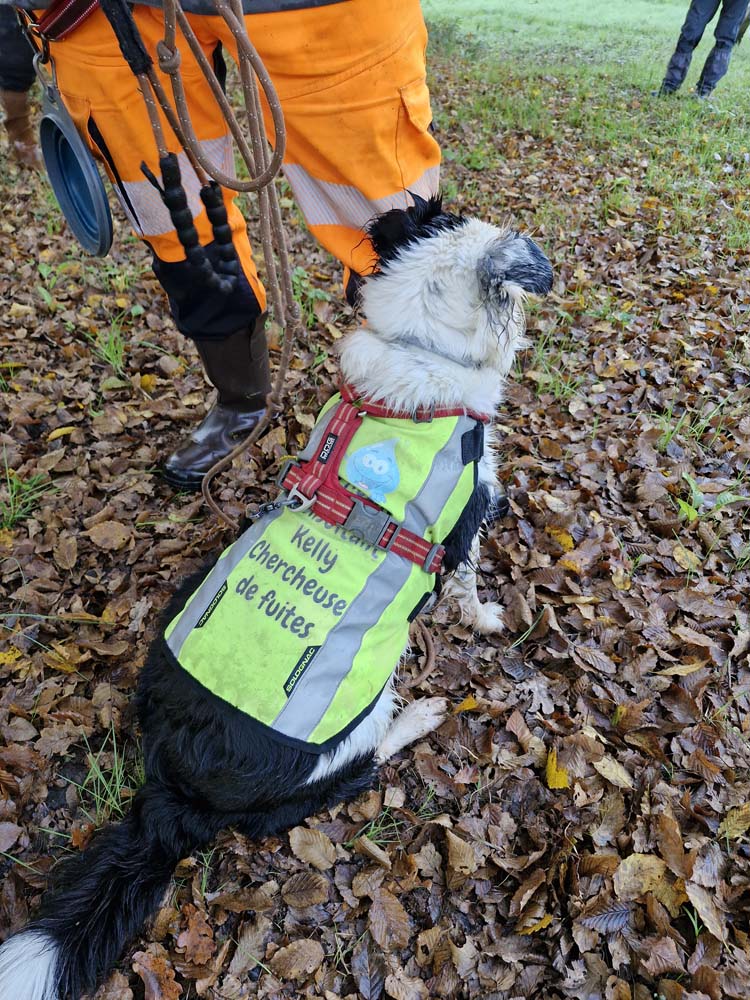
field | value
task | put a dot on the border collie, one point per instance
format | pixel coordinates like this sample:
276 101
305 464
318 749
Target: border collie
444 320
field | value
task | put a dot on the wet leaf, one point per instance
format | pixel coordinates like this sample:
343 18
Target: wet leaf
736 822
557 777
368 969
638 874
614 772
305 889
197 940
388 921
461 860
251 945
157 974
403 987
110 535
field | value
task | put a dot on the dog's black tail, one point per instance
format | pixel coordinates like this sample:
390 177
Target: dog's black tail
100 899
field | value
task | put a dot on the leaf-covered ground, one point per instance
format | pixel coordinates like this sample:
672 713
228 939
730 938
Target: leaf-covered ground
579 828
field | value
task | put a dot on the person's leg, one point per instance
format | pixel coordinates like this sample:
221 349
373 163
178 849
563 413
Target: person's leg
727 29
698 16
16 78
103 98
351 80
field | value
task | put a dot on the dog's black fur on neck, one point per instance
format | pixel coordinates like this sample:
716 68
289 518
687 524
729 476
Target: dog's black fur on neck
395 230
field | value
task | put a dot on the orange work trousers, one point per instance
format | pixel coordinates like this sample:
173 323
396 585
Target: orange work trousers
351 80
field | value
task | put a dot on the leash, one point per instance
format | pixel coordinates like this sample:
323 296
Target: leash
262 162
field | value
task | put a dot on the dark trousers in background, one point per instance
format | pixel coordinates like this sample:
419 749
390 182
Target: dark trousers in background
16 55
699 15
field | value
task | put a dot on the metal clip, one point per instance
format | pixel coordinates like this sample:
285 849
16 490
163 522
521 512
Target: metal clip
422 418
295 500
368 523
289 464
430 556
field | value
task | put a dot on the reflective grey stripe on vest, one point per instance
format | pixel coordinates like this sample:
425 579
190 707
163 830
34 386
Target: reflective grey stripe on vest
234 556
326 204
316 689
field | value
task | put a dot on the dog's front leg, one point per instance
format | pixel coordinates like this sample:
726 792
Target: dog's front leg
461 588
462 551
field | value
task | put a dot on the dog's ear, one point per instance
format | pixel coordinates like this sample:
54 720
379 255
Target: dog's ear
515 260
398 228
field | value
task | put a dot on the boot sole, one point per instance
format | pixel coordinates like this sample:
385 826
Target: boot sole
186 481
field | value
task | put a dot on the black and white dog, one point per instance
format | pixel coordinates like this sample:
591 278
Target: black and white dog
445 318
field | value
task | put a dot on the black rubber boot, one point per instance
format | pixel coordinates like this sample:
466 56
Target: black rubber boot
713 70
238 366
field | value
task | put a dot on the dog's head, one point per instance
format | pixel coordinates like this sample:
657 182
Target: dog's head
453 283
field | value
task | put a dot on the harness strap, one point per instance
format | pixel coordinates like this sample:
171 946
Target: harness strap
421 415
60 18
337 505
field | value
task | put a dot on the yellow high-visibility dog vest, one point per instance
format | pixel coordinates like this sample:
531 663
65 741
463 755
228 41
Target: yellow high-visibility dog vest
302 620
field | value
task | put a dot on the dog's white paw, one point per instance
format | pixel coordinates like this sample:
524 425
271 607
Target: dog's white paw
426 715
487 619
418 718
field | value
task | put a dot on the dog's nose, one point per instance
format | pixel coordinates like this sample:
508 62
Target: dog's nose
531 269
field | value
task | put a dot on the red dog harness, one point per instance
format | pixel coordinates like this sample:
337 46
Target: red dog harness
316 483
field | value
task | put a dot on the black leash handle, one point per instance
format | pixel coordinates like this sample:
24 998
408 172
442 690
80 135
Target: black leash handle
119 15
216 210
174 197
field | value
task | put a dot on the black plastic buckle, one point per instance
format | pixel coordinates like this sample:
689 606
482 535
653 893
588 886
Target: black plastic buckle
368 523
290 463
425 420
430 556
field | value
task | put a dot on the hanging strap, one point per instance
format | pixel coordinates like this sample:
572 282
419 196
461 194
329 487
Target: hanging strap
59 19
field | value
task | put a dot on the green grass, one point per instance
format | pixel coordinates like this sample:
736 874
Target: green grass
110 343
550 363
637 36
307 295
569 70
21 496
111 781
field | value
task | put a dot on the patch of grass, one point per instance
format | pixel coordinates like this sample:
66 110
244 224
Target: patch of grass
549 364
385 828
669 426
22 496
695 922
307 295
691 425
111 781
553 68
743 559
109 344
525 635
205 860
